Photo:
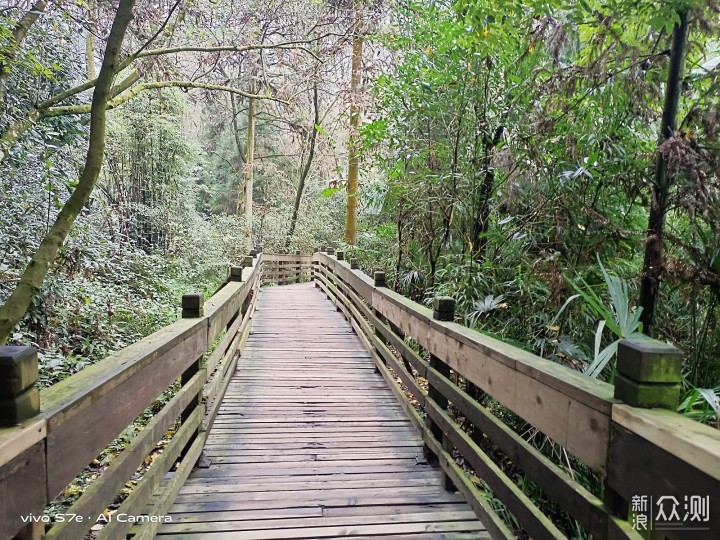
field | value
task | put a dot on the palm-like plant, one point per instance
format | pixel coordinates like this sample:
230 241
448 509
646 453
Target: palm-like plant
620 318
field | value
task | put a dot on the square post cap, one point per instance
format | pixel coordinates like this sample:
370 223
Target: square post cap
192 305
19 399
236 273
443 308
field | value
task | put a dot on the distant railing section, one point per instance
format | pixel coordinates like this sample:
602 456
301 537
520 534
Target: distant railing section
286 269
644 452
78 417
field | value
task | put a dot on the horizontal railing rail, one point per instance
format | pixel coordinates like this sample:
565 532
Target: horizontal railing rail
640 451
280 269
79 416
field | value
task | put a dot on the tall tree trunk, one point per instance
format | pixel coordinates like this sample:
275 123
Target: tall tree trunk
354 146
660 189
241 154
306 169
249 160
14 308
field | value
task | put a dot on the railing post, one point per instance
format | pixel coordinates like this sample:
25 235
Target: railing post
354 264
379 277
299 269
649 373
340 255
193 306
379 281
443 310
19 399
236 273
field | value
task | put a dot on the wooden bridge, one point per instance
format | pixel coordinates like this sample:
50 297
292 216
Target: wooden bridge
333 407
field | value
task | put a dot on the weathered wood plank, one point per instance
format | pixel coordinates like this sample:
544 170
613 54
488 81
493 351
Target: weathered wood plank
125 383
545 394
101 493
23 488
631 459
306 423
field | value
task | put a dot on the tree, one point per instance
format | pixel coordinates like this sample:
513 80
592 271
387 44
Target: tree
312 135
660 188
15 307
354 142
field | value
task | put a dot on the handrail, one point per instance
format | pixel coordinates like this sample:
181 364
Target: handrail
635 451
640 453
82 414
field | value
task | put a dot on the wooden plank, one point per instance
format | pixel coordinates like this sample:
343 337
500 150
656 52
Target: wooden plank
305 523
269 488
139 497
570 495
167 497
476 499
101 493
634 463
77 408
280 257
23 488
16 439
577 416
199 505
696 444
530 517
329 532
223 306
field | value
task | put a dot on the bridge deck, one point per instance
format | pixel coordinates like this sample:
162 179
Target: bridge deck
311 443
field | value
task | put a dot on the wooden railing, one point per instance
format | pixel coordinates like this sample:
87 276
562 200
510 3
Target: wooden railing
286 269
81 415
634 450
624 433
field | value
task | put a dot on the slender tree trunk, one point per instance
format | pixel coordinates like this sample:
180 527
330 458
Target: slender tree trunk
306 169
239 205
90 54
660 189
249 161
14 308
354 146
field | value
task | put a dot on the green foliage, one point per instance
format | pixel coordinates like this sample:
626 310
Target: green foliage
619 318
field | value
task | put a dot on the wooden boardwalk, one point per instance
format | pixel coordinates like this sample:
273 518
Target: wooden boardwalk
311 443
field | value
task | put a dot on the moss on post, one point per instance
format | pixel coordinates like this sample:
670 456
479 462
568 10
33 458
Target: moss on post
648 373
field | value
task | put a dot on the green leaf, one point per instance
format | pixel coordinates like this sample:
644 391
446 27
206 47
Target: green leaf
329 192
